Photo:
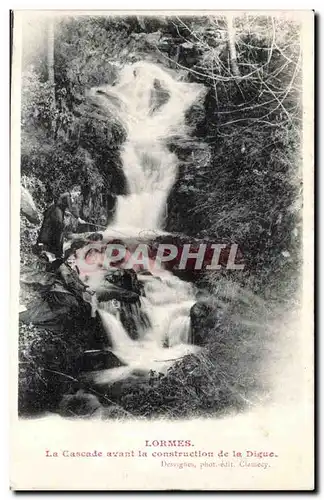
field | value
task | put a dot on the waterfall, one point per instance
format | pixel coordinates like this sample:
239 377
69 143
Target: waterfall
179 330
151 104
118 335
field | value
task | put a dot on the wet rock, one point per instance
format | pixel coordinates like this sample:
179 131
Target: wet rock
94 360
126 279
159 96
104 294
133 319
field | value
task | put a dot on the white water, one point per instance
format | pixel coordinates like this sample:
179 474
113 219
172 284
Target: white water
151 105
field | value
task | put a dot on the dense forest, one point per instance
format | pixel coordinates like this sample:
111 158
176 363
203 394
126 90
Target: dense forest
239 177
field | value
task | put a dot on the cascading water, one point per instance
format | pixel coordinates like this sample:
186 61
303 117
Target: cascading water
151 104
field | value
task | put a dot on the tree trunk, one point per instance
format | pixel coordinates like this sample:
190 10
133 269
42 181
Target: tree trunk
231 44
141 22
177 55
50 69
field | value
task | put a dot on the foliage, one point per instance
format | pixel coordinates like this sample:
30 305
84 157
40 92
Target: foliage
42 355
36 102
246 185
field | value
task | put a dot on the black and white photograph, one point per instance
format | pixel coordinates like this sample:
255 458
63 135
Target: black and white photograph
162 219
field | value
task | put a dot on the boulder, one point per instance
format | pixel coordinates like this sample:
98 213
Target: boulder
80 405
28 207
125 279
98 359
205 316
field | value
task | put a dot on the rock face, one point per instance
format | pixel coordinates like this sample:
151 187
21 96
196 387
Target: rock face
28 207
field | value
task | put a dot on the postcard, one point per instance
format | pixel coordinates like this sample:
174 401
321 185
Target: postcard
162 242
